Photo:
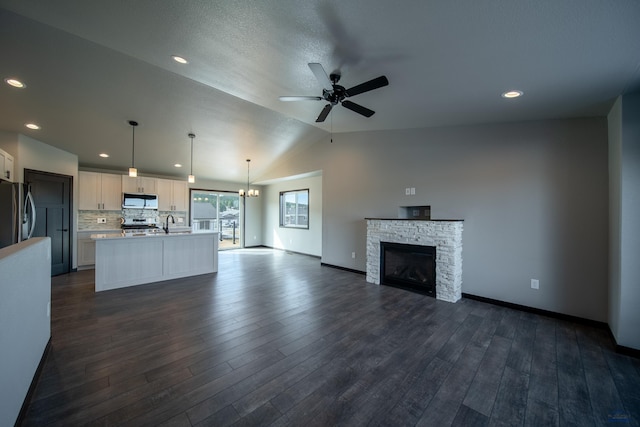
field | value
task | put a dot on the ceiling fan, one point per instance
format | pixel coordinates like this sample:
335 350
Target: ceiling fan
333 93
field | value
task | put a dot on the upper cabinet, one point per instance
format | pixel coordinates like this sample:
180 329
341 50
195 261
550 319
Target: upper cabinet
6 166
173 195
99 191
139 184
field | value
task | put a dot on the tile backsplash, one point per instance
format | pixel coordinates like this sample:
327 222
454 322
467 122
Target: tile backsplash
88 220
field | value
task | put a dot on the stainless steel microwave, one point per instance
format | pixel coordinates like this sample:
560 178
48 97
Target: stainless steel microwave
139 201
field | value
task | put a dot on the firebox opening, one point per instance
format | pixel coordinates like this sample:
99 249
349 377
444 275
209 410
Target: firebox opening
411 267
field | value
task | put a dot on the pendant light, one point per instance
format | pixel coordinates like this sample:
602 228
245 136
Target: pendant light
191 178
249 192
133 172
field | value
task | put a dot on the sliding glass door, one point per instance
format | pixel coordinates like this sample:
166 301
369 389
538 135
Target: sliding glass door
217 211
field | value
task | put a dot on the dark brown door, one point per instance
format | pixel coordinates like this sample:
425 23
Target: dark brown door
52 197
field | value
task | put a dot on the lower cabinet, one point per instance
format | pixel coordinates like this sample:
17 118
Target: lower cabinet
86 250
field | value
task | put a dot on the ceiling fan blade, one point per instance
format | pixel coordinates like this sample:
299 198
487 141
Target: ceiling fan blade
321 75
358 108
324 113
300 98
367 86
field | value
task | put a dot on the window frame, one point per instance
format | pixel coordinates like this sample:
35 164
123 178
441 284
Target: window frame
282 214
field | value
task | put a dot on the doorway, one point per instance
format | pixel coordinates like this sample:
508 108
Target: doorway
217 211
52 196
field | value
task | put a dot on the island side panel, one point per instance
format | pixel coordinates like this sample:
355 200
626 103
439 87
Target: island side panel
190 255
127 262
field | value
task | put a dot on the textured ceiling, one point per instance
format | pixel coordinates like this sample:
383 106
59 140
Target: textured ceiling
92 65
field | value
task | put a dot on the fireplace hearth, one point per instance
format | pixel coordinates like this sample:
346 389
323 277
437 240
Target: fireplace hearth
409 267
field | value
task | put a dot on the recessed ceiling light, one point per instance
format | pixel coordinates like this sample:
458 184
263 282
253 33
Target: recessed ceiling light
105 155
179 59
178 165
32 126
15 83
513 94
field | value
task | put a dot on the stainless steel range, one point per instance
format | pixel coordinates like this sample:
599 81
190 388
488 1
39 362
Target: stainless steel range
132 224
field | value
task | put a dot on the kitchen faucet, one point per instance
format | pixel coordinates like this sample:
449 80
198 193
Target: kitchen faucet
166 227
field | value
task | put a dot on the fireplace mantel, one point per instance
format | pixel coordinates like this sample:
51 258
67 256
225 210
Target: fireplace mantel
445 235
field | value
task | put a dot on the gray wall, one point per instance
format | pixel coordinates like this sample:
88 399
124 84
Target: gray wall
614 120
624 291
25 325
29 153
533 197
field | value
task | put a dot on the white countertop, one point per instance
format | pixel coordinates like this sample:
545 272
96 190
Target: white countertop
148 234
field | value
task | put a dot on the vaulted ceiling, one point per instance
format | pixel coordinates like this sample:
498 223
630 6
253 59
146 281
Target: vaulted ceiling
90 66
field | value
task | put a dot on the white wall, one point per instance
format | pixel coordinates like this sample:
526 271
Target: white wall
624 150
533 197
25 326
305 241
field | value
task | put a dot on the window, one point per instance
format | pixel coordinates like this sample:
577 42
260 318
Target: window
217 211
294 209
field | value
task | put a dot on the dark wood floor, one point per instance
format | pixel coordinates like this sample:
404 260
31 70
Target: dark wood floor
277 339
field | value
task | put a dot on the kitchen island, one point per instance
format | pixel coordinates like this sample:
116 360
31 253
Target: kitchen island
129 259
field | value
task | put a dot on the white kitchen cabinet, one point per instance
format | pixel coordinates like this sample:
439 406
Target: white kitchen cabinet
86 249
140 184
99 191
173 195
6 166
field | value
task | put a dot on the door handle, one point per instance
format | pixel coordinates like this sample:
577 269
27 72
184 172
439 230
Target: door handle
62 229
33 213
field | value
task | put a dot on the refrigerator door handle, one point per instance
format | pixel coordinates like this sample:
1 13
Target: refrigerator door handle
33 214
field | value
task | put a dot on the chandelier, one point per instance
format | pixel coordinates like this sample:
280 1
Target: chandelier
250 192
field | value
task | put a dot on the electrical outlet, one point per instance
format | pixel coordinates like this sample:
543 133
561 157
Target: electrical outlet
353 255
180 220
407 191
49 309
102 220
535 284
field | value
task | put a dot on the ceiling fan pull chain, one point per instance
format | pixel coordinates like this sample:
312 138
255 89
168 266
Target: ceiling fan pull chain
331 129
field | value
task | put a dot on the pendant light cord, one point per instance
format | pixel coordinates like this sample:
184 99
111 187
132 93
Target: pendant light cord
191 136
133 125
248 160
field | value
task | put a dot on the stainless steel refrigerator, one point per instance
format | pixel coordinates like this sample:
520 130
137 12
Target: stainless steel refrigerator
17 213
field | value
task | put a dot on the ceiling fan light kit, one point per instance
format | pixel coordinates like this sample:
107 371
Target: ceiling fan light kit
336 94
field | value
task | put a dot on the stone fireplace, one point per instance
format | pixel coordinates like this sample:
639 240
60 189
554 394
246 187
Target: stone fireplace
408 267
414 242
